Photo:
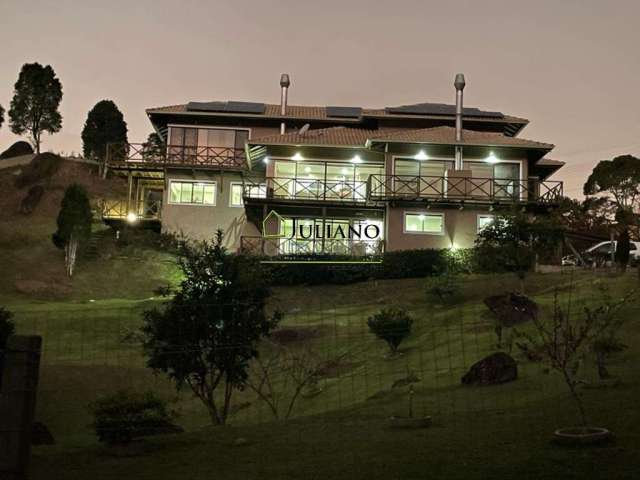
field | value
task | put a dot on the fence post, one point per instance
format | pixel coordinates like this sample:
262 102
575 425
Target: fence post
17 404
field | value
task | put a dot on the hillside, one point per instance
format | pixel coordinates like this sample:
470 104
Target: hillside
34 269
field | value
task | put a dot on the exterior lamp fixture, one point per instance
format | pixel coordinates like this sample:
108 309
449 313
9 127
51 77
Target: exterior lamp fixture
421 155
491 158
265 159
297 156
453 247
132 217
421 216
356 159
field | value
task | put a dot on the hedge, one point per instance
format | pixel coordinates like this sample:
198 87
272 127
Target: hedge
400 264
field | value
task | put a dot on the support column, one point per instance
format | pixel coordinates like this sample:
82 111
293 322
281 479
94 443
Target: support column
17 404
130 191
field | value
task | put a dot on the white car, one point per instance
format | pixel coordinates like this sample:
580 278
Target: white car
603 250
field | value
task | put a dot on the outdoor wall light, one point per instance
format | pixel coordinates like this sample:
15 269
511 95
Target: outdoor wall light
491 158
421 155
356 159
265 159
421 216
132 217
297 156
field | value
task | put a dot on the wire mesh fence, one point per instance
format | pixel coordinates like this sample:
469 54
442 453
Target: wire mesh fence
320 364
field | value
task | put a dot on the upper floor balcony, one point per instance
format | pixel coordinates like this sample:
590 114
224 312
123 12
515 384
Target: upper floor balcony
141 155
380 188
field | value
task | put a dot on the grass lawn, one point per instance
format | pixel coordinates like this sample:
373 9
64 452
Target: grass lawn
92 348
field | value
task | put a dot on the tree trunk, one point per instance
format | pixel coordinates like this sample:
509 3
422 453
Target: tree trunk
70 251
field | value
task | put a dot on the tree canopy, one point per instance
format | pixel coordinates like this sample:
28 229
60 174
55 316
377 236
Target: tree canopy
105 124
619 178
34 107
207 333
1 116
154 147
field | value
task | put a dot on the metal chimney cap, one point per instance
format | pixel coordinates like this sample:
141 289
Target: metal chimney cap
284 80
459 82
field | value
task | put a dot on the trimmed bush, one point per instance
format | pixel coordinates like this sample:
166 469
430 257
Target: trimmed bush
401 264
392 325
17 150
123 416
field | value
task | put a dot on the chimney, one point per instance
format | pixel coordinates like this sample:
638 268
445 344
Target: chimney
284 85
459 83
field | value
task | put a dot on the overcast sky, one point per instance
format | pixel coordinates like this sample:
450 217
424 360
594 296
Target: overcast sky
570 66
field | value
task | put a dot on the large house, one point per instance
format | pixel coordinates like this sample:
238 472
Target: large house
286 180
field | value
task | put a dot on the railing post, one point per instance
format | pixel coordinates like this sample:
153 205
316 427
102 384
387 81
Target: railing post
17 404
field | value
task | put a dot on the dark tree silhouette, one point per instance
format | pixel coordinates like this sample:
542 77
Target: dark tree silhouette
1 116
34 107
619 177
105 124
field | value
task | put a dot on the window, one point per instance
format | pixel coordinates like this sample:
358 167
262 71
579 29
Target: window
484 221
192 192
235 195
424 223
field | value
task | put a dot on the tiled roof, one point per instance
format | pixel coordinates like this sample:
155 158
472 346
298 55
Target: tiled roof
305 112
351 137
447 136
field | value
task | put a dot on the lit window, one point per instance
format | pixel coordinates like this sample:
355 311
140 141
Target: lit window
484 221
430 223
192 193
235 195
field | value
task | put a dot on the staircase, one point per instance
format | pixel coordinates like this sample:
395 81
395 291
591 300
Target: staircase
91 249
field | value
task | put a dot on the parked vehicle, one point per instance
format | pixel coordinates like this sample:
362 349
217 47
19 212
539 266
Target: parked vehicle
602 252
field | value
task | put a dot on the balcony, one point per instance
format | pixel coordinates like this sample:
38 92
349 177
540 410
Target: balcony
342 191
141 155
444 188
119 210
294 247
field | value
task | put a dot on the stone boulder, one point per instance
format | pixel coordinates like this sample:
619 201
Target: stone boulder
512 309
495 369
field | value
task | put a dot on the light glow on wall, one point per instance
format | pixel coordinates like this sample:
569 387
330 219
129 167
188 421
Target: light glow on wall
491 158
356 159
421 155
297 156
265 159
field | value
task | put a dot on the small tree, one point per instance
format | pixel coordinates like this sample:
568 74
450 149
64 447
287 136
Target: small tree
512 242
36 98
565 341
74 224
104 125
207 333
392 325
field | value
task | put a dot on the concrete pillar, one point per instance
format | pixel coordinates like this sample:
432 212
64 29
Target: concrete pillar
17 404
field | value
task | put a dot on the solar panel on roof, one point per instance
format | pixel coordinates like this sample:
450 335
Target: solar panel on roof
440 109
344 112
230 107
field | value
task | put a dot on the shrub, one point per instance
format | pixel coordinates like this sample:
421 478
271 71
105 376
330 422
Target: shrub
444 288
17 149
7 328
42 167
123 416
392 325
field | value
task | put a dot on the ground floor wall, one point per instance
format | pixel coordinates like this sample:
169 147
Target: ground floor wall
202 221
459 228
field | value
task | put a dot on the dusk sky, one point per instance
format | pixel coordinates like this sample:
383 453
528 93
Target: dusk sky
571 67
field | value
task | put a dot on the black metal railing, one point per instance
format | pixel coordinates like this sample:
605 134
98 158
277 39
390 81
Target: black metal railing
407 187
265 246
307 189
145 153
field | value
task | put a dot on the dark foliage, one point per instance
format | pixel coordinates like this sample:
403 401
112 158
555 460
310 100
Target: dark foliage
17 149
1 117
75 217
154 147
619 177
41 168
36 98
7 328
208 332
104 125
392 325
123 416
31 201
623 247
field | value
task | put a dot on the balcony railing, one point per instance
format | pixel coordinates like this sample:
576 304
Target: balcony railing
386 187
176 155
308 189
142 210
273 247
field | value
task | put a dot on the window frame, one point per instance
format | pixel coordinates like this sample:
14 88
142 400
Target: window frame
231 185
194 182
478 229
432 214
